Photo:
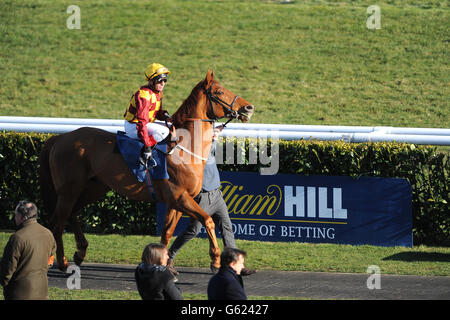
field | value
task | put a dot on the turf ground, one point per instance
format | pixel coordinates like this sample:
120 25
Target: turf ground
309 62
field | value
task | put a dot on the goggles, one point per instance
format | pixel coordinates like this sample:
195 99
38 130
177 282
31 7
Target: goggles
160 78
160 72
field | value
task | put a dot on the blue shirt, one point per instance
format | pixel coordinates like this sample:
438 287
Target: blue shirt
211 177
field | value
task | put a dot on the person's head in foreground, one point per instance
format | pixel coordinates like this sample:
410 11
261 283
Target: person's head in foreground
155 253
233 258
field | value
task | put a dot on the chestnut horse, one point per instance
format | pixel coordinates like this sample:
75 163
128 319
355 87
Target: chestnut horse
81 166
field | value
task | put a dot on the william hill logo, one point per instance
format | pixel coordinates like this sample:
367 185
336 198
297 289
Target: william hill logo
312 202
238 202
299 201
315 209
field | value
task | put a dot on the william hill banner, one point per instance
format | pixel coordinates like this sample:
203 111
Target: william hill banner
316 209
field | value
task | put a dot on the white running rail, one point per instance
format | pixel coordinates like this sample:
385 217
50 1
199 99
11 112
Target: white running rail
427 136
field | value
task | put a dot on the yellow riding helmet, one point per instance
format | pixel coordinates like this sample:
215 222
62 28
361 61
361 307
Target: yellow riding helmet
154 70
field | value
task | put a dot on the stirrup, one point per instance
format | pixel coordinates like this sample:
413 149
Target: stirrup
151 163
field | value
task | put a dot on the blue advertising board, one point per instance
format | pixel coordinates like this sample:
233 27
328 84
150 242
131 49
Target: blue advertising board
315 209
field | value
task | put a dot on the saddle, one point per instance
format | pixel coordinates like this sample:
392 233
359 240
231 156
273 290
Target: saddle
131 152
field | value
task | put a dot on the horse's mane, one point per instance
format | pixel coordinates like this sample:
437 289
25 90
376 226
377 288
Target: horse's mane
188 104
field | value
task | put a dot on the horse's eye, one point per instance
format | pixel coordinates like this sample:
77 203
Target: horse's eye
218 92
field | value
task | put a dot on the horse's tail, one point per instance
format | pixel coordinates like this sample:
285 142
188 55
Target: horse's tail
48 193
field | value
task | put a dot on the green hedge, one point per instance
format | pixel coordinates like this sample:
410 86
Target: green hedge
423 166
19 171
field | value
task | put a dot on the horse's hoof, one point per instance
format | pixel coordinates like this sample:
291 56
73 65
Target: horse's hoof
51 261
63 265
61 268
214 269
76 258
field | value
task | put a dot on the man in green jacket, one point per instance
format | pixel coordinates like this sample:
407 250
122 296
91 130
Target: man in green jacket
24 266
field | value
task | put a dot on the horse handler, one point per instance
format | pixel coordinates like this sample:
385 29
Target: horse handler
211 201
24 266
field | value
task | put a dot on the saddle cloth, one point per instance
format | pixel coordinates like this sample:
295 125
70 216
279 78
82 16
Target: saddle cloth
131 152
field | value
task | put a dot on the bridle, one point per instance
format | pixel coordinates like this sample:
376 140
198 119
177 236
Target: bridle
227 108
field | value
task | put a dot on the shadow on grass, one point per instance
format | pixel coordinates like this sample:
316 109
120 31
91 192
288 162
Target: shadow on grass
420 256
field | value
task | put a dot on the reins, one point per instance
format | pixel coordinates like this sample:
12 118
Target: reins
229 113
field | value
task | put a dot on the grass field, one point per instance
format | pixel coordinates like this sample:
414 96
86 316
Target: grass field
310 62
117 249
288 256
88 294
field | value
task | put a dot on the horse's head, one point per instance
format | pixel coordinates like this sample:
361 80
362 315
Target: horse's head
222 103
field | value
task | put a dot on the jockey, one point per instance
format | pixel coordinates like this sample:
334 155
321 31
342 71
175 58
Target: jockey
146 106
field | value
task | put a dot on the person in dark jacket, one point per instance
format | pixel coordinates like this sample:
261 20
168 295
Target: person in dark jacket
227 284
154 281
24 266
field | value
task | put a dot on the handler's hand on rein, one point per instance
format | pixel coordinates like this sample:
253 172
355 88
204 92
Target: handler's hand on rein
217 132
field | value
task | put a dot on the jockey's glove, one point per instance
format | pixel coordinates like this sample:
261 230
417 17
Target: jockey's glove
167 116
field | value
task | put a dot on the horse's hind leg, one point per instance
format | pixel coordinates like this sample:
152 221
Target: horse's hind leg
94 191
80 239
62 213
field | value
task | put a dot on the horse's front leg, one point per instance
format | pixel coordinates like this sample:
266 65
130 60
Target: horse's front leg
171 220
187 204
214 250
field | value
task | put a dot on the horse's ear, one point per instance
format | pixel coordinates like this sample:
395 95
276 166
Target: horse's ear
209 76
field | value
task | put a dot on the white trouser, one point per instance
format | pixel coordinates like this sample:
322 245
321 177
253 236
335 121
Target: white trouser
157 130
